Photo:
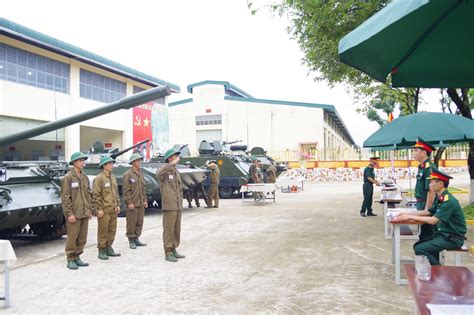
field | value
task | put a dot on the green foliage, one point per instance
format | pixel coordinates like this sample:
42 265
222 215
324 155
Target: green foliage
318 26
469 212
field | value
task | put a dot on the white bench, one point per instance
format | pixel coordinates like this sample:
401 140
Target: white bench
8 257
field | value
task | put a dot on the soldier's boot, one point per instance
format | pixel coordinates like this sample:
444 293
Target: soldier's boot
71 264
177 255
138 243
110 252
190 206
362 214
198 204
103 254
171 258
81 263
132 244
370 213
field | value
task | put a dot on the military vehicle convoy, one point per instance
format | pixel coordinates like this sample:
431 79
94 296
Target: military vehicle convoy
30 190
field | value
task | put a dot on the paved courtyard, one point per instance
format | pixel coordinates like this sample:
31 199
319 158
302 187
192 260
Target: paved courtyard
310 252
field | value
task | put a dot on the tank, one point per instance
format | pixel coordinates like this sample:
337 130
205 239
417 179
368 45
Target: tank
189 177
30 193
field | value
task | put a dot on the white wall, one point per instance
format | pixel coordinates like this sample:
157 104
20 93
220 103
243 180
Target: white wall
271 126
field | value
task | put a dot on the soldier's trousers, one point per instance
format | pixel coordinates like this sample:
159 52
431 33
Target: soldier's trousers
368 191
135 219
171 230
191 194
107 227
426 230
76 237
432 247
213 195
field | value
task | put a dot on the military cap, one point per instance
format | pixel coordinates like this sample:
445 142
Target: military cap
170 153
134 157
420 143
437 174
77 156
104 160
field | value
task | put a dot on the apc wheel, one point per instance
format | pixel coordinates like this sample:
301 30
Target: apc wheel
51 229
226 192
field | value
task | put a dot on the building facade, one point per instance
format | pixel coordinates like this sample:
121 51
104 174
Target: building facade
220 111
43 79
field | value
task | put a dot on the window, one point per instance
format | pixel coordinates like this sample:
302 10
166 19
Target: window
99 88
208 120
21 66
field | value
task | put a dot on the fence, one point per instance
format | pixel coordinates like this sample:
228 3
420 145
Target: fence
454 152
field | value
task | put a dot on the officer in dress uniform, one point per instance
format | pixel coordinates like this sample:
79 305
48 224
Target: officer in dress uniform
446 216
368 188
424 197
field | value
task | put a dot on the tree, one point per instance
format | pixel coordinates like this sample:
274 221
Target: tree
319 25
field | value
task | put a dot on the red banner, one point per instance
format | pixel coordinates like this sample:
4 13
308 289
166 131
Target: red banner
142 127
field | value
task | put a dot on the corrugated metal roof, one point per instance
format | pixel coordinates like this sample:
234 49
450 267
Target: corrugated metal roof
20 32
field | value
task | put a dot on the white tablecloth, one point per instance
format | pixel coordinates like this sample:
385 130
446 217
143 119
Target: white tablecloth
7 253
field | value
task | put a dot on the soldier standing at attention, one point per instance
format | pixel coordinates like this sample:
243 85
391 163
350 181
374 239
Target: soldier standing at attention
76 204
368 188
424 197
135 200
254 172
213 194
446 216
172 204
107 206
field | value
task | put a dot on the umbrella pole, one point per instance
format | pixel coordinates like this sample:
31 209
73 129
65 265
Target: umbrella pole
409 169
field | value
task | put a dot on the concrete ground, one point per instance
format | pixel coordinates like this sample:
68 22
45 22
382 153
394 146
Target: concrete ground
310 252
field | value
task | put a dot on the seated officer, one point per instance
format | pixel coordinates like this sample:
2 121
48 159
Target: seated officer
446 215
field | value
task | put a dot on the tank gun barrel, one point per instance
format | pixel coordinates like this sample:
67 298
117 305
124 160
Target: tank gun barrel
231 142
124 103
119 153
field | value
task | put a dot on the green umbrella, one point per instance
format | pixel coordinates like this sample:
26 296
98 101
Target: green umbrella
422 43
435 128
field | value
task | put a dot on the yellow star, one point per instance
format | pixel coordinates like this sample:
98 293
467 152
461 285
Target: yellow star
145 122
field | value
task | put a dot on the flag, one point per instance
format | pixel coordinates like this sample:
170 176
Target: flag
390 117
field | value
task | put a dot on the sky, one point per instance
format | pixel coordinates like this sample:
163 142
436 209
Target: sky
187 41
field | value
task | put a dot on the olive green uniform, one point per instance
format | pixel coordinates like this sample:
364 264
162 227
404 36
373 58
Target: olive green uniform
271 174
254 174
368 190
172 205
213 193
106 198
449 231
76 197
422 188
134 193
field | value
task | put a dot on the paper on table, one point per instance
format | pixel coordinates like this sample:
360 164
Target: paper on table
450 309
7 253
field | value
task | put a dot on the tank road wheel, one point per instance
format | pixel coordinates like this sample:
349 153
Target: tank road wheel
226 192
51 229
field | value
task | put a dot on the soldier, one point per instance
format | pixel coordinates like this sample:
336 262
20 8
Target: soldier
254 171
135 200
446 215
193 192
213 192
172 204
424 197
76 204
107 206
271 174
368 188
